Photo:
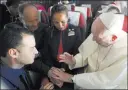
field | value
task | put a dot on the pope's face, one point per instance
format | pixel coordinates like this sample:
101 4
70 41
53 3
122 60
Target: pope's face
101 35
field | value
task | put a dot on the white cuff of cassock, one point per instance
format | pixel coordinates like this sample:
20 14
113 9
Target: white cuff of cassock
78 60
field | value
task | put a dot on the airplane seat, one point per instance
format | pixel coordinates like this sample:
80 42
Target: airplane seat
69 6
44 17
113 7
125 24
49 10
77 19
125 28
87 16
85 10
108 8
40 7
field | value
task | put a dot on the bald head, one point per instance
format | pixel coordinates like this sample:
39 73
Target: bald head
29 16
30 12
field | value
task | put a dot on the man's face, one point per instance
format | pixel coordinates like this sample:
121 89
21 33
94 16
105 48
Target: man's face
31 18
100 34
60 20
27 50
13 9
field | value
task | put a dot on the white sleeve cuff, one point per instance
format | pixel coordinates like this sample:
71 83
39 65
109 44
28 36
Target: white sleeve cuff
79 62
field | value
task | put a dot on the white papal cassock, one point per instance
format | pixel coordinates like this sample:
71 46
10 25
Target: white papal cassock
107 66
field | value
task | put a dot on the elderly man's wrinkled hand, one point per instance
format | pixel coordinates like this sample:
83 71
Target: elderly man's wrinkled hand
56 82
62 76
50 72
52 76
67 58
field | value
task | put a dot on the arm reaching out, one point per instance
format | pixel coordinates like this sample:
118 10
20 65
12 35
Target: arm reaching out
67 58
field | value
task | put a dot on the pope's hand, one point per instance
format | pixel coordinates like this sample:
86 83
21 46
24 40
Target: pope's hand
52 77
62 76
67 58
56 82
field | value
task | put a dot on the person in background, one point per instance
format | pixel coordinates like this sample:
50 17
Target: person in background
12 6
29 18
105 52
28 15
8 12
17 49
63 2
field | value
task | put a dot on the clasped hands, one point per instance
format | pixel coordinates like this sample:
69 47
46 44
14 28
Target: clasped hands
53 76
58 76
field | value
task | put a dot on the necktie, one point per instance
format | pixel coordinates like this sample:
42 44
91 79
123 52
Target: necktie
60 49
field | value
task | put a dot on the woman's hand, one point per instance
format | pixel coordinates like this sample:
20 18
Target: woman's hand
48 86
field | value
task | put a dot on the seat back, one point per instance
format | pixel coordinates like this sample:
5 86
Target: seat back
89 10
69 6
40 7
108 8
49 10
44 17
84 10
125 24
76 19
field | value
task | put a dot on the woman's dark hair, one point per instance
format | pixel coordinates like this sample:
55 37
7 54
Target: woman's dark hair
59 8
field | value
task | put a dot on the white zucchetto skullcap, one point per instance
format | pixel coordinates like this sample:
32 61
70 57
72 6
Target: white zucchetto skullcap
113 22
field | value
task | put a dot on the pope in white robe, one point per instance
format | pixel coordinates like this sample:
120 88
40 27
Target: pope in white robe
105 53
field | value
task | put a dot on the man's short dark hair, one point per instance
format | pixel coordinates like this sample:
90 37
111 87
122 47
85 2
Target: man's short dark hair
23 6
59 8
12 2
11 37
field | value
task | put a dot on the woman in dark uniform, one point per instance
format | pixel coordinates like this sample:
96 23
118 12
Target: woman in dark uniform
61 37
